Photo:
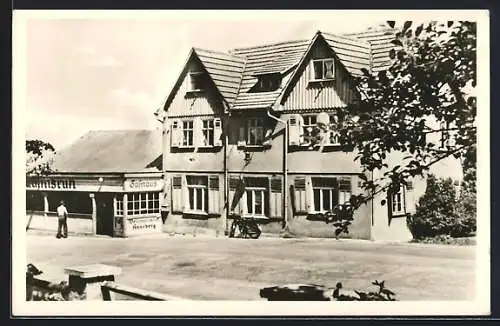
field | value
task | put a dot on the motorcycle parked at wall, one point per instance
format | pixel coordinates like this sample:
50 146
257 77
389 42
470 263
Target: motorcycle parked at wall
247 228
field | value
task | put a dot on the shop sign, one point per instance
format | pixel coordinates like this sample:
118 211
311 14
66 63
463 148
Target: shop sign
51 183
139 224
141 184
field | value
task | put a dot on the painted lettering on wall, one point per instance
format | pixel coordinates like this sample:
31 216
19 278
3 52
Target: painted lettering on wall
141 184
144 223
51 183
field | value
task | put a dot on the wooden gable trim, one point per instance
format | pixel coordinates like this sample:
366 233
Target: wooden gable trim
302 65
192 56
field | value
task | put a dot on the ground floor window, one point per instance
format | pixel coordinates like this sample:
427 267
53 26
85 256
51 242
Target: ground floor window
76 202
139 203
34 201
197 191
257 196
397 205
329 192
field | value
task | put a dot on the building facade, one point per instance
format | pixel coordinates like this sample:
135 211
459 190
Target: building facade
251 115
111 183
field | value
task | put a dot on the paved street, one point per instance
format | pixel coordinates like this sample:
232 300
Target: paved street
235 269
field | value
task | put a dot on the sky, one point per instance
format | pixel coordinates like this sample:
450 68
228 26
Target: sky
101 72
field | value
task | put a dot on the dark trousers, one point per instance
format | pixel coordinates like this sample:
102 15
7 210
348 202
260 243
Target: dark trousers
62 226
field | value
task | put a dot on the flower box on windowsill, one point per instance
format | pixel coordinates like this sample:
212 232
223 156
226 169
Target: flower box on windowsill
196 213
255 217
253 147
194 91
320 81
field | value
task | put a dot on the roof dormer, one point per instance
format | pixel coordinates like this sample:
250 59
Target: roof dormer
266 83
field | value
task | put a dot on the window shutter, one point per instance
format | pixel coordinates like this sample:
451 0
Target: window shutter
217 132
294 130
241 135
242 204
177 200
275 197
310 66
300 194
309 196
409 198
198 139
213 195
329 67
233 182
176 133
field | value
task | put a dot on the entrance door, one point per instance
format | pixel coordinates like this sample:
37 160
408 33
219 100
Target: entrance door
105 214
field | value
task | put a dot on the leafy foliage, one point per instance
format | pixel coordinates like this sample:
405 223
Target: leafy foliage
341 217
426 92
382 294
313 292
441 212
52 292
39 157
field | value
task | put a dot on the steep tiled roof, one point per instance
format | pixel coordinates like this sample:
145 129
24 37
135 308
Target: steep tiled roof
380 40
224 69
353 53
235 73
265 59
112 151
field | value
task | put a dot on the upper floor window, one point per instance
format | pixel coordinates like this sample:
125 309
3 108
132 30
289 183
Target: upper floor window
267 83
323 69
447 136
304 131
255 131
196 132
208 132
196 81
187 133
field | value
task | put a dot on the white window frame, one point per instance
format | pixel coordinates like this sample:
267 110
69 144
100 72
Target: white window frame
193 189
257 125
308 118
333 136
307 124
344 191
186 132
137 199
321 198
323 68
254 190
208 130
398 198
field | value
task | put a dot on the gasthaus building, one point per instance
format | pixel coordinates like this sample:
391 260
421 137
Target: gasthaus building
111 182
247 114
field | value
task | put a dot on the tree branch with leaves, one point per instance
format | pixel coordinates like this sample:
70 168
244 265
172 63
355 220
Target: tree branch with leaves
431 81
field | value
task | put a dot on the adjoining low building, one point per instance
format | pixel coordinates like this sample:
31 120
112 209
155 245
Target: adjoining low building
111 182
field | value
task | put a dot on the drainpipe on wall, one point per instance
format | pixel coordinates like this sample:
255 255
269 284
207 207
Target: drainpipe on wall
284 199
226 178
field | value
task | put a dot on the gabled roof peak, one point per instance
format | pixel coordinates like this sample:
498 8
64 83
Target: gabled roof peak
265 46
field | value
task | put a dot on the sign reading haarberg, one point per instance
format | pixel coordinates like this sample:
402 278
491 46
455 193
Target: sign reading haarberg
51 183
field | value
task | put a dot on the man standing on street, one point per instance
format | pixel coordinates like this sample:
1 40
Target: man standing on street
62 215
